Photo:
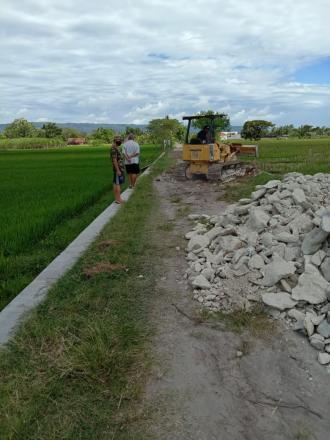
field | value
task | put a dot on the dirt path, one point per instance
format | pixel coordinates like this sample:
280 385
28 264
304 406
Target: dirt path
200 389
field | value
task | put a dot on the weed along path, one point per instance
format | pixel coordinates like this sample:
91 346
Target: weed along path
242 377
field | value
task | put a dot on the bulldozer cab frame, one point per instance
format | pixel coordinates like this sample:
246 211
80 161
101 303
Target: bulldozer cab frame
211 118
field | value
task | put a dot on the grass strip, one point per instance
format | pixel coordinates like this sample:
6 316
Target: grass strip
79 362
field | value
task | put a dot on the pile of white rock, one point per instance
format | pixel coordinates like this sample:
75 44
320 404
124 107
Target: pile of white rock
272 248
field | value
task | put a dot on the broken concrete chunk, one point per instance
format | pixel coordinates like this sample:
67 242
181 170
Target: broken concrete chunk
325 268
256 262
242 209
285 237
267 239
273 184
324 329
284 194
286 286
201 282
229 243
276 270
323 358
197 243
208 273
213 233
301 223
317 341
258 194
313 241
298 196
296 314
325 222
291 253
258 219
318 257
279 301
241 270
317 319
311 287
244 201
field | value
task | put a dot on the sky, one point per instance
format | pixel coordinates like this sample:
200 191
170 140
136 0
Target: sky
130 61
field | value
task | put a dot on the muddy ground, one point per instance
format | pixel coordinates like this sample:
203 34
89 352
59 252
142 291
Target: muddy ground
199 388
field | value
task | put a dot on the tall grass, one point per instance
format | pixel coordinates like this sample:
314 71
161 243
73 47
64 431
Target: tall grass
30 143
41 191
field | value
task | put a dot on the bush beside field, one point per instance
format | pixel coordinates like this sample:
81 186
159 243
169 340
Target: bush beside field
31 143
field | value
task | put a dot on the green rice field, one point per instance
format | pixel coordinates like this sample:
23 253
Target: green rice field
46 198
280 156
308 156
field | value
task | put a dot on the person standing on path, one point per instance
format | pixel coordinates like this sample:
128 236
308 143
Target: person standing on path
118 168
132 159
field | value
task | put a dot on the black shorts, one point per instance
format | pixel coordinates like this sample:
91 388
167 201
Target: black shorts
118 180
132 168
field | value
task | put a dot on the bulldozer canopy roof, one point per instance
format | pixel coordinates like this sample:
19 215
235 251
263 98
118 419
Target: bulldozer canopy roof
189 118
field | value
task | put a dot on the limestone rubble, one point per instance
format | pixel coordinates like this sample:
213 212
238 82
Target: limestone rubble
272 248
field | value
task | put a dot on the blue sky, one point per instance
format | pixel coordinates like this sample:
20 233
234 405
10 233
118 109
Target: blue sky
316 73
113 61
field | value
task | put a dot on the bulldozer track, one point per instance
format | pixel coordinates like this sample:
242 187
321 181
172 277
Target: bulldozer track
220 172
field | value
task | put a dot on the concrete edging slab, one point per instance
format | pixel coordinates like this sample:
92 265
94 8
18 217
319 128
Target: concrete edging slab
37 290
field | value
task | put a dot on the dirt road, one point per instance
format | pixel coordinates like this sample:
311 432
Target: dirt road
200 389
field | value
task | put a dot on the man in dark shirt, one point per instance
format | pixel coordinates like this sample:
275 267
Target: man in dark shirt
118 168
204 135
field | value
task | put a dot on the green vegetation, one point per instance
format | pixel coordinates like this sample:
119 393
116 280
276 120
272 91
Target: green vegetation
308 156
255 129
30 143
220 124
242 188
303 131
20 131
280 156
46 198
51 130
165 129
78 364
254 322
20 128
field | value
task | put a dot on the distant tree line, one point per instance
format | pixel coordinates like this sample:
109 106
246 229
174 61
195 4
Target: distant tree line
257 129
160 129
157 131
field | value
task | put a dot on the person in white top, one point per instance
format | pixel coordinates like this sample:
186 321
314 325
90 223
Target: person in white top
131 150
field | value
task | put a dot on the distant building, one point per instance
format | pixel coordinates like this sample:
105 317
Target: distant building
224 135
77 141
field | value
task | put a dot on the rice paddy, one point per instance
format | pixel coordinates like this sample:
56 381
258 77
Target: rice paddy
46 198
308 156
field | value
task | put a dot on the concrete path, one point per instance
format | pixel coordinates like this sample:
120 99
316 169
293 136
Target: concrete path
36 291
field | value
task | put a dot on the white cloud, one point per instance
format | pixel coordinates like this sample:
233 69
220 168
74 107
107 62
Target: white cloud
121 61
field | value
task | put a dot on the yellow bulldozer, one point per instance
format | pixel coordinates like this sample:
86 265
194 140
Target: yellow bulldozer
204 156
